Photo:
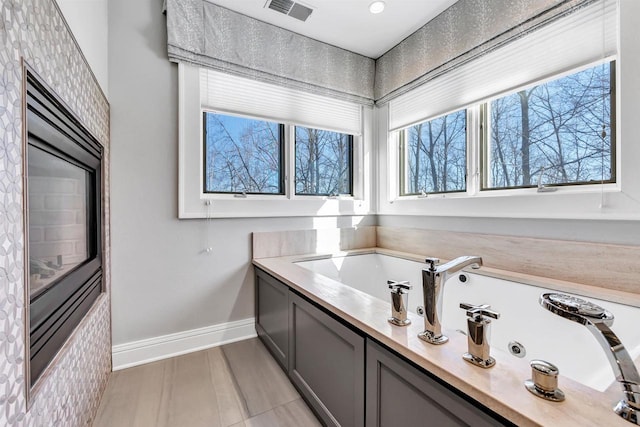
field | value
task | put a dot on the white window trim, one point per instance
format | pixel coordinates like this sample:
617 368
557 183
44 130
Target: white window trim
194 203
620 200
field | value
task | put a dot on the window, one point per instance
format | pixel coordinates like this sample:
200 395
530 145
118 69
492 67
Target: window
323 162
568 93
433 155
245 155
242 155
557 133
249 148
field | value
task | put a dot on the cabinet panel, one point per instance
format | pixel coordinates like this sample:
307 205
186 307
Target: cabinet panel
399 394
272 316
326 364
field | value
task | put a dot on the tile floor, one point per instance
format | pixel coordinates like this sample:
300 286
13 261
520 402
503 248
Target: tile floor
238 385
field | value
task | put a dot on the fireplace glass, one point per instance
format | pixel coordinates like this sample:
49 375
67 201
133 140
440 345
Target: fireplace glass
58 192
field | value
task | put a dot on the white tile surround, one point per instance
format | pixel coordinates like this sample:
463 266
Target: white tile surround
69 392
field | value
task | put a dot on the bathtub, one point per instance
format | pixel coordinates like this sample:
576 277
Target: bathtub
568 345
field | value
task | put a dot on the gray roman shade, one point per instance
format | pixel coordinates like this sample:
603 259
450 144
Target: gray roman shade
211 36
466 31
208 35
582 38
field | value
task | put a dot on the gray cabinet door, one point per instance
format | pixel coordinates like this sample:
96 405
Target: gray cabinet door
326 363
398 394
272 316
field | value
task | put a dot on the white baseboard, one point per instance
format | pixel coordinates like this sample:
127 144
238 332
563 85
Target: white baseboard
165 346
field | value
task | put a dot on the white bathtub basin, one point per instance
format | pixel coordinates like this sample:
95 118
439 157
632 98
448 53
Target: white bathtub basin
568 345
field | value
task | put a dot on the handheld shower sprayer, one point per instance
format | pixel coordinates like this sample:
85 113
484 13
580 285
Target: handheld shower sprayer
599 321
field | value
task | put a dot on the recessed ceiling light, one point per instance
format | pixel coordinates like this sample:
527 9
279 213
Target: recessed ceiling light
376 7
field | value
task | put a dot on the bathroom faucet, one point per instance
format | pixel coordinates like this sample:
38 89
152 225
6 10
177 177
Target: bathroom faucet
598 321
433 280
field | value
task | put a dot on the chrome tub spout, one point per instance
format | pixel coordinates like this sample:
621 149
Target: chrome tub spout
433 280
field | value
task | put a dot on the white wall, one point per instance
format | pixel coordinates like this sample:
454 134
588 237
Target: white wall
88 20
163 283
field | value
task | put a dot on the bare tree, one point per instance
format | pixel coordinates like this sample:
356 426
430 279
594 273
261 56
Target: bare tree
525 136
497 113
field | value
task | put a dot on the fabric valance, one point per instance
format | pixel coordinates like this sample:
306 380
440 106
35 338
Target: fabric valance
214 37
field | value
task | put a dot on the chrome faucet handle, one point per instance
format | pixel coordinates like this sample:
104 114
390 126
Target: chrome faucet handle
399 302
397 285
432 262
479 351
479 310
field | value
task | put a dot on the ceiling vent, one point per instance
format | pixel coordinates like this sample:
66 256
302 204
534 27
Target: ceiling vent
291 8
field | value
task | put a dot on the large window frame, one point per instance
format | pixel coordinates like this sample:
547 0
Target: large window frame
193 202
281 154
478 140
618 198
403 158
348 193
486 137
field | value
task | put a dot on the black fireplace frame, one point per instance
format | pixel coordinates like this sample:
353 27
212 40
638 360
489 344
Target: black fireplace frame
54 313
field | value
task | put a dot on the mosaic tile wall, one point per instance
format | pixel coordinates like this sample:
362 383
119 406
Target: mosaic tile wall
70 393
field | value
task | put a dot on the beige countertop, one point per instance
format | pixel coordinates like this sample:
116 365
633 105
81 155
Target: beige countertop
500 388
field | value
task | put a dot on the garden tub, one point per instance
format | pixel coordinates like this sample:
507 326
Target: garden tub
538 333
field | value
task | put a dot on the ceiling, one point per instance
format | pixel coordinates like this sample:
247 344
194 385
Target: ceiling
348 23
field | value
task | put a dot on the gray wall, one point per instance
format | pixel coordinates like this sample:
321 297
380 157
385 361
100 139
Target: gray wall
162 281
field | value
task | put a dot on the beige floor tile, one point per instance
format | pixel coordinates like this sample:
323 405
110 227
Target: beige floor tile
238 385
292 414
260 379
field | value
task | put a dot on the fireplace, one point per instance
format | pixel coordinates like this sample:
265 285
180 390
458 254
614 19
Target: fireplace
63 215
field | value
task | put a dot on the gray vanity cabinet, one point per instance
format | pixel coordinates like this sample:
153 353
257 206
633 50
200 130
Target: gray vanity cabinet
325 360
272 316
326 363
398 394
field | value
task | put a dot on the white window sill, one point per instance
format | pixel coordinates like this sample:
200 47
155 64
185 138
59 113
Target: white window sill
579 202
263 207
